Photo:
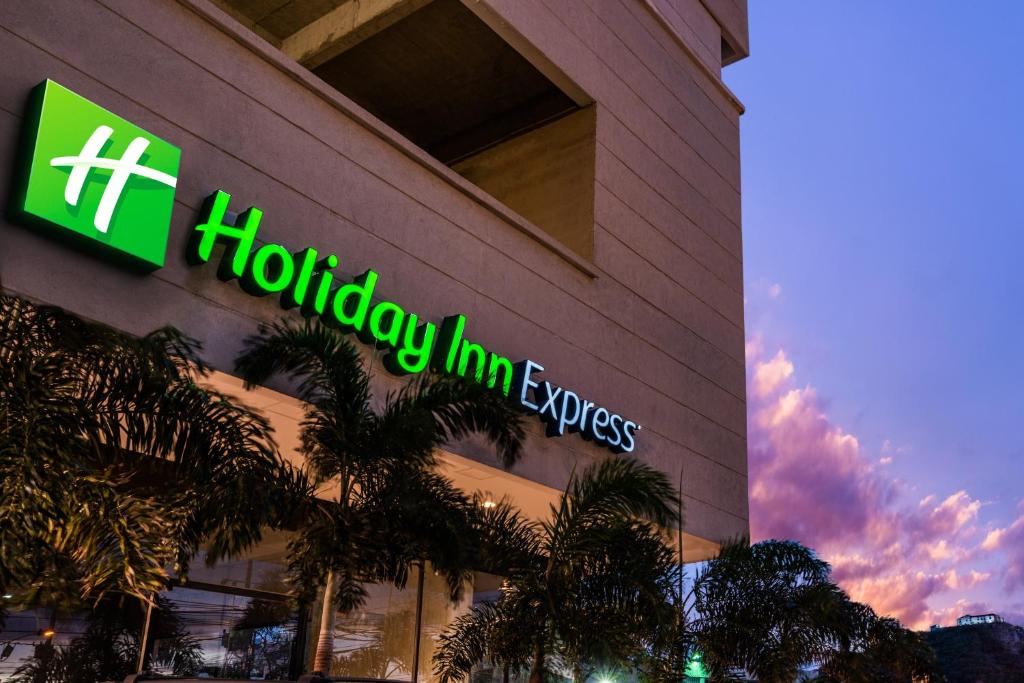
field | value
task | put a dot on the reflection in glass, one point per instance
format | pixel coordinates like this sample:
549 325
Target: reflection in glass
487 588
236 636
438 612
93 645
377 640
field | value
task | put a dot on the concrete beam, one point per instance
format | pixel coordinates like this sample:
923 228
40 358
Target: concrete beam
346 25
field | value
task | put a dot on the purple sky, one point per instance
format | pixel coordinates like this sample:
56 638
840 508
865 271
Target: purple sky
883 204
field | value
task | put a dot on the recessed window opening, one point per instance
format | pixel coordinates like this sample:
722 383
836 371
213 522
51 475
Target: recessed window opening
443 78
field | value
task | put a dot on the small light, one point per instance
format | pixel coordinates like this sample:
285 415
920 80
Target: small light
8 596
489 504
48 633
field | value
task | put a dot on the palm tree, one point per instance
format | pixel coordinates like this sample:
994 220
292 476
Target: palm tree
769 608
587 587
108 649
390 510
115 463
885 652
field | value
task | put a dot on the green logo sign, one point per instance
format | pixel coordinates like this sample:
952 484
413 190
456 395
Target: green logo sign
94 176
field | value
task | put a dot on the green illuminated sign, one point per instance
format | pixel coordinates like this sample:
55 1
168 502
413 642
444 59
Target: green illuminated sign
107 183
95 177
306 280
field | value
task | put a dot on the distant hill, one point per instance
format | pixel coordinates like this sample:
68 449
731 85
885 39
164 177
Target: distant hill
982 653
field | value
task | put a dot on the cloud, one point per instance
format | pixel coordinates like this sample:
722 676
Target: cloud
1010 540
770 374
812 481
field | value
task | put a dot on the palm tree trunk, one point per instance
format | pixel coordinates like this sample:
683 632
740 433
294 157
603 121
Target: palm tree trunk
325 642
537 671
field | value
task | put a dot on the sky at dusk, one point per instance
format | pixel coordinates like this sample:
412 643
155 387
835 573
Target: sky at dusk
883 195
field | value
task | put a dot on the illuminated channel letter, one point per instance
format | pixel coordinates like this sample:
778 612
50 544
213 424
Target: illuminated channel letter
385 326
471 353
521 378
565 418
295 293
629 431
321 287
547 395
615 440
351 303
602 418
494 365
449 342
414 353
213 230
271 270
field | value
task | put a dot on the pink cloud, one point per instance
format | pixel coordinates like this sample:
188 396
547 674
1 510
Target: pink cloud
769 375
1011 541
812 481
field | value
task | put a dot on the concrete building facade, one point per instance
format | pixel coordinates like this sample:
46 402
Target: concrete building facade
565 173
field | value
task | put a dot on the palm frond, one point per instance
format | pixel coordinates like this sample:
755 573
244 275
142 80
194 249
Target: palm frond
85 412
436 409
464 643
604 492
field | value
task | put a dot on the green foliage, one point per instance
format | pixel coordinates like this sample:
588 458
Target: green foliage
587 587
885 652
768 609
391 509
115 462
109 647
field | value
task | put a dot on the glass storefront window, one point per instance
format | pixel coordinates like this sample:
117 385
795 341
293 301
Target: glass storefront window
438 612
234 621
378 640
487 588
226 636
234 618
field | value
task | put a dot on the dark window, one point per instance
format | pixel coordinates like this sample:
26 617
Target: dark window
439 75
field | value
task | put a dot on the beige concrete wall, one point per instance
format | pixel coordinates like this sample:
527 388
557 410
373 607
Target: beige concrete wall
547 175
731 15
657 334
696 28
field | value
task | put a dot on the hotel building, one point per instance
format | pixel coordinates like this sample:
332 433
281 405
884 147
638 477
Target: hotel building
563 173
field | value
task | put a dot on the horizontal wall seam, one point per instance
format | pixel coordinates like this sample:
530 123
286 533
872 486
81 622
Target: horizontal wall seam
695 222
328 209
352 110
738 326
350 220
704 267
672 93
716 79
644 103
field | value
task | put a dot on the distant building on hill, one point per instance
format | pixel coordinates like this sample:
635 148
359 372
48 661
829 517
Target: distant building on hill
988 649
972 619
